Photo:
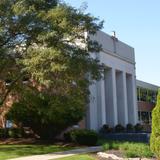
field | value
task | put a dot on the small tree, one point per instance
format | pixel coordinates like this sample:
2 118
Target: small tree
155 136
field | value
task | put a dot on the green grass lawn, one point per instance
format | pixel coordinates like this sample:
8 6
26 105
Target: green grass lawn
78 157
129 149
14 151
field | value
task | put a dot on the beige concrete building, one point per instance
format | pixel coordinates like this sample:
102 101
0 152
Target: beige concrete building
113 98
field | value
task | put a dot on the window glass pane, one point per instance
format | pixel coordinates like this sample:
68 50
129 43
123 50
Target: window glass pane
138 95
145 117
150 115
149 96
139 115
143 94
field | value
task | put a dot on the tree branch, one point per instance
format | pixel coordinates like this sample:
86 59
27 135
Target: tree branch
9 90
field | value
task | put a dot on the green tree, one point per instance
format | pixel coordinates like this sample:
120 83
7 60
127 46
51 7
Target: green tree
45 41
47 116
155 135
41 38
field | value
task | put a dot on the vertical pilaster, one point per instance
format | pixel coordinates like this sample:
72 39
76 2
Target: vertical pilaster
115 111
92 117
103 100
135 106
121 97
125 98
111 98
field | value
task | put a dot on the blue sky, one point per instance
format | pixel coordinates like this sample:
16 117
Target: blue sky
137 23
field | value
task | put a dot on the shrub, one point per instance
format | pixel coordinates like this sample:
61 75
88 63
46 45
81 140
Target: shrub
132 149
106 129
129 127
155 135
15 133
129 149
38 115
138 127
3 133
82 137
12 133
67 136
119 128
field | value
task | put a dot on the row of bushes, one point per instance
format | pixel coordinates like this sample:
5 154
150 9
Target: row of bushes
11 133
120 128
82 137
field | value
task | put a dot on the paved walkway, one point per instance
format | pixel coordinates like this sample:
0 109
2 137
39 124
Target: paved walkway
61 154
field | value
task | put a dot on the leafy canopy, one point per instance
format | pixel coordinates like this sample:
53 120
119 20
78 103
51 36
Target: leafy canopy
48 43
46 40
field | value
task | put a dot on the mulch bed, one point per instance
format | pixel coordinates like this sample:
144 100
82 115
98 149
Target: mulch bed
35 141
18 141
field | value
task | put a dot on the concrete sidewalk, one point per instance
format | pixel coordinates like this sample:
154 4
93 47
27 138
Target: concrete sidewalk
57 155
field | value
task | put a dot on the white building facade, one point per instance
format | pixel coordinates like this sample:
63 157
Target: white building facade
113 98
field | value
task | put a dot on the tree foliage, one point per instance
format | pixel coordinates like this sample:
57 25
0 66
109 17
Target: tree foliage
155 135
47 41
47 116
